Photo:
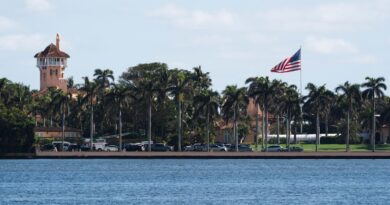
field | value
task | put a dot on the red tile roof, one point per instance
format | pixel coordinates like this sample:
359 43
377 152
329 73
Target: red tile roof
51 51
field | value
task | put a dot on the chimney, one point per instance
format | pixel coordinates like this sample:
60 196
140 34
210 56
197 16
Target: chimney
58 41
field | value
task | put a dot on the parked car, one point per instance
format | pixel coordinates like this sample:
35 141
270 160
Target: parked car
241 148
294 149
159 147
245 148
85 148
111 148
48 148
194 147
58 144
274 148
73 148
135 147
217 148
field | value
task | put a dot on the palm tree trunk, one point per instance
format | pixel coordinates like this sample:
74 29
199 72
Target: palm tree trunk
235 127
179 126
257 127
288 130
348 129
266 128
91 132
150 125
44 122
278 130
208 130
120 128
318 130
326 125
63 131
295 132
262 128
373 124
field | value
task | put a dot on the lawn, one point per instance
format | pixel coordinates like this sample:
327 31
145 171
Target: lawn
338 147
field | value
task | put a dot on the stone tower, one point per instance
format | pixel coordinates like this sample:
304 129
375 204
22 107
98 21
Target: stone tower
52 63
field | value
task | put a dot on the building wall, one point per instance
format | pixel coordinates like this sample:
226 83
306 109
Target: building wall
52 76
57 134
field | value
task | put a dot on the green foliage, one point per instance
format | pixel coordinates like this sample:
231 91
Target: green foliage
17 130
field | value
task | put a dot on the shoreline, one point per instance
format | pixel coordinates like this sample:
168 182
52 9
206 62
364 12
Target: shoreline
198 155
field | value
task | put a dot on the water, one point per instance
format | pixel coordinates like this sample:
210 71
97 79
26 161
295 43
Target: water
172 181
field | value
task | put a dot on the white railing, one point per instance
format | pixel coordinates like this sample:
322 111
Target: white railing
40 64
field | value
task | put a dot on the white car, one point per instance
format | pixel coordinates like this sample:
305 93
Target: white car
274 148
111 148
217 148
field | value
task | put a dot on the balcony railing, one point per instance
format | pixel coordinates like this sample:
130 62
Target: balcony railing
62 64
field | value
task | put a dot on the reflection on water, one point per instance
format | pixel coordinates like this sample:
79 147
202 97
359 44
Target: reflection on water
171 181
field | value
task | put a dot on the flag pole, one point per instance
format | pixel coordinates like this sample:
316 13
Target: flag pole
301 103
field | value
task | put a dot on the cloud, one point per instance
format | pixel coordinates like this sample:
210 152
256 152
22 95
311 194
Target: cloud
195 19
38 5
212 39
7 24
329 45
366 59
329 17
16 42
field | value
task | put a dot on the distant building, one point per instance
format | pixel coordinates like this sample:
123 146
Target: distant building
224 131
55 133
52 63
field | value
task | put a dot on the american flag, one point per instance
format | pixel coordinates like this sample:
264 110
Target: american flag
290 64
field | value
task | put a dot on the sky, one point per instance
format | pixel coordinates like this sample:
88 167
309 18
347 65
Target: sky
345 40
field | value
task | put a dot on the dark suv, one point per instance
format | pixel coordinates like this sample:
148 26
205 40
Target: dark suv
159 147
134 147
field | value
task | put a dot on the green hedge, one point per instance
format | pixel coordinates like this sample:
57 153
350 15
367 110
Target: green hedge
16 131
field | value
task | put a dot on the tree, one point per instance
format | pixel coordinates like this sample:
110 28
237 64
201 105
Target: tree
103 77
147 79
90 89
207 104
235 100
60 102
317 99
290 105
262 90
374 88
179 82
352 95
200 79
117 98
17 130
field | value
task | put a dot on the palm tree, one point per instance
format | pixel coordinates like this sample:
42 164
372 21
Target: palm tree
90 89
207 103
290 105
200 79
374 88
263 91
234 100
148 80
117 98
61 101
180 81
352 94
253 89
103 77
317 99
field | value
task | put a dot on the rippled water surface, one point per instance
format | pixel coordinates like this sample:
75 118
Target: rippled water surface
172 181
